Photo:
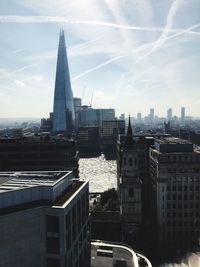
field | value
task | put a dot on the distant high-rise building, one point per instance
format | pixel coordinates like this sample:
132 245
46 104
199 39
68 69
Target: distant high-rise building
63 110
151 115
122 116
139 117
95 117
169 114
110 131
77 110
182 113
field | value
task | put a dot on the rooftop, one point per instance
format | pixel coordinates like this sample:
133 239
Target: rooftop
17 188
116 255
10 181
172 140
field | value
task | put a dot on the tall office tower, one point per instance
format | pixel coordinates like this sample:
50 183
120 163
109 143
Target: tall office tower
44 220
77 110
175 180
151 115
139 117
183 114
63 110
129 186
169 114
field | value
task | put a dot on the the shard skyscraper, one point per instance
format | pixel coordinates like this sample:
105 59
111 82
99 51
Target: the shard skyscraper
63 109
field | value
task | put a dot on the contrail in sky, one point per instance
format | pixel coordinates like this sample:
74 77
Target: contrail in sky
136 50
169 23
53 19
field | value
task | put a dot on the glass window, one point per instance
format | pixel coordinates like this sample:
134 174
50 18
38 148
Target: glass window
52 262
124 160
131 192
53 245
130 161
52 224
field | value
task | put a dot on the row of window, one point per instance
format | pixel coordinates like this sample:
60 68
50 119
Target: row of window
181 206
183 214
182 197
182 188
173 170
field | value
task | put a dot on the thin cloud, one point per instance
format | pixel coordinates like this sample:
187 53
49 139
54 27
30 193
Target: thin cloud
51 19
136 50
168 27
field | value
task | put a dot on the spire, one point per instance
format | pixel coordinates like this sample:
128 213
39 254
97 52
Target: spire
129 130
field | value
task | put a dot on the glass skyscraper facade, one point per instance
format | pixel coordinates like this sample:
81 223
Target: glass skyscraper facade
63 110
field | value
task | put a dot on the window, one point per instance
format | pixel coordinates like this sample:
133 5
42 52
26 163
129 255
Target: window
51 262
131 192
124 161
52 224
130 161
53 245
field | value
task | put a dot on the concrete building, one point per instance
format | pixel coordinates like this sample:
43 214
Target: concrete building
175 179
110 131
63 109
38 153
43 220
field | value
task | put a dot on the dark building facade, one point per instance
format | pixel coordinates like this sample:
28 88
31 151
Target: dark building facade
39 154
88 139
175 180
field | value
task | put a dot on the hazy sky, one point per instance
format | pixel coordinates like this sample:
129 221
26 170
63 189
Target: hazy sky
134 54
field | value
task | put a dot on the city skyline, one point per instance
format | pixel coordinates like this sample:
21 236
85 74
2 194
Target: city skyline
133 55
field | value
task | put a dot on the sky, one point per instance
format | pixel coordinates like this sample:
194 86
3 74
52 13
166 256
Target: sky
130 55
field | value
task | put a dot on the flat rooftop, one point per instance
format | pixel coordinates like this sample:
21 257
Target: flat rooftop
20 180
17 188
173 144
172 140
116 255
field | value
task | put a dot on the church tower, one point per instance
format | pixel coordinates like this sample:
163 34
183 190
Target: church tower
129 185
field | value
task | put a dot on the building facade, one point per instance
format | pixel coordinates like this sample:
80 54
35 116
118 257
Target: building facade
95 117
38 153
110 131
43 220
63 109
88 139
77 110
175 179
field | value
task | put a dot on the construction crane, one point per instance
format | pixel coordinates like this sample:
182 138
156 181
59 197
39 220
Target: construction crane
90 104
